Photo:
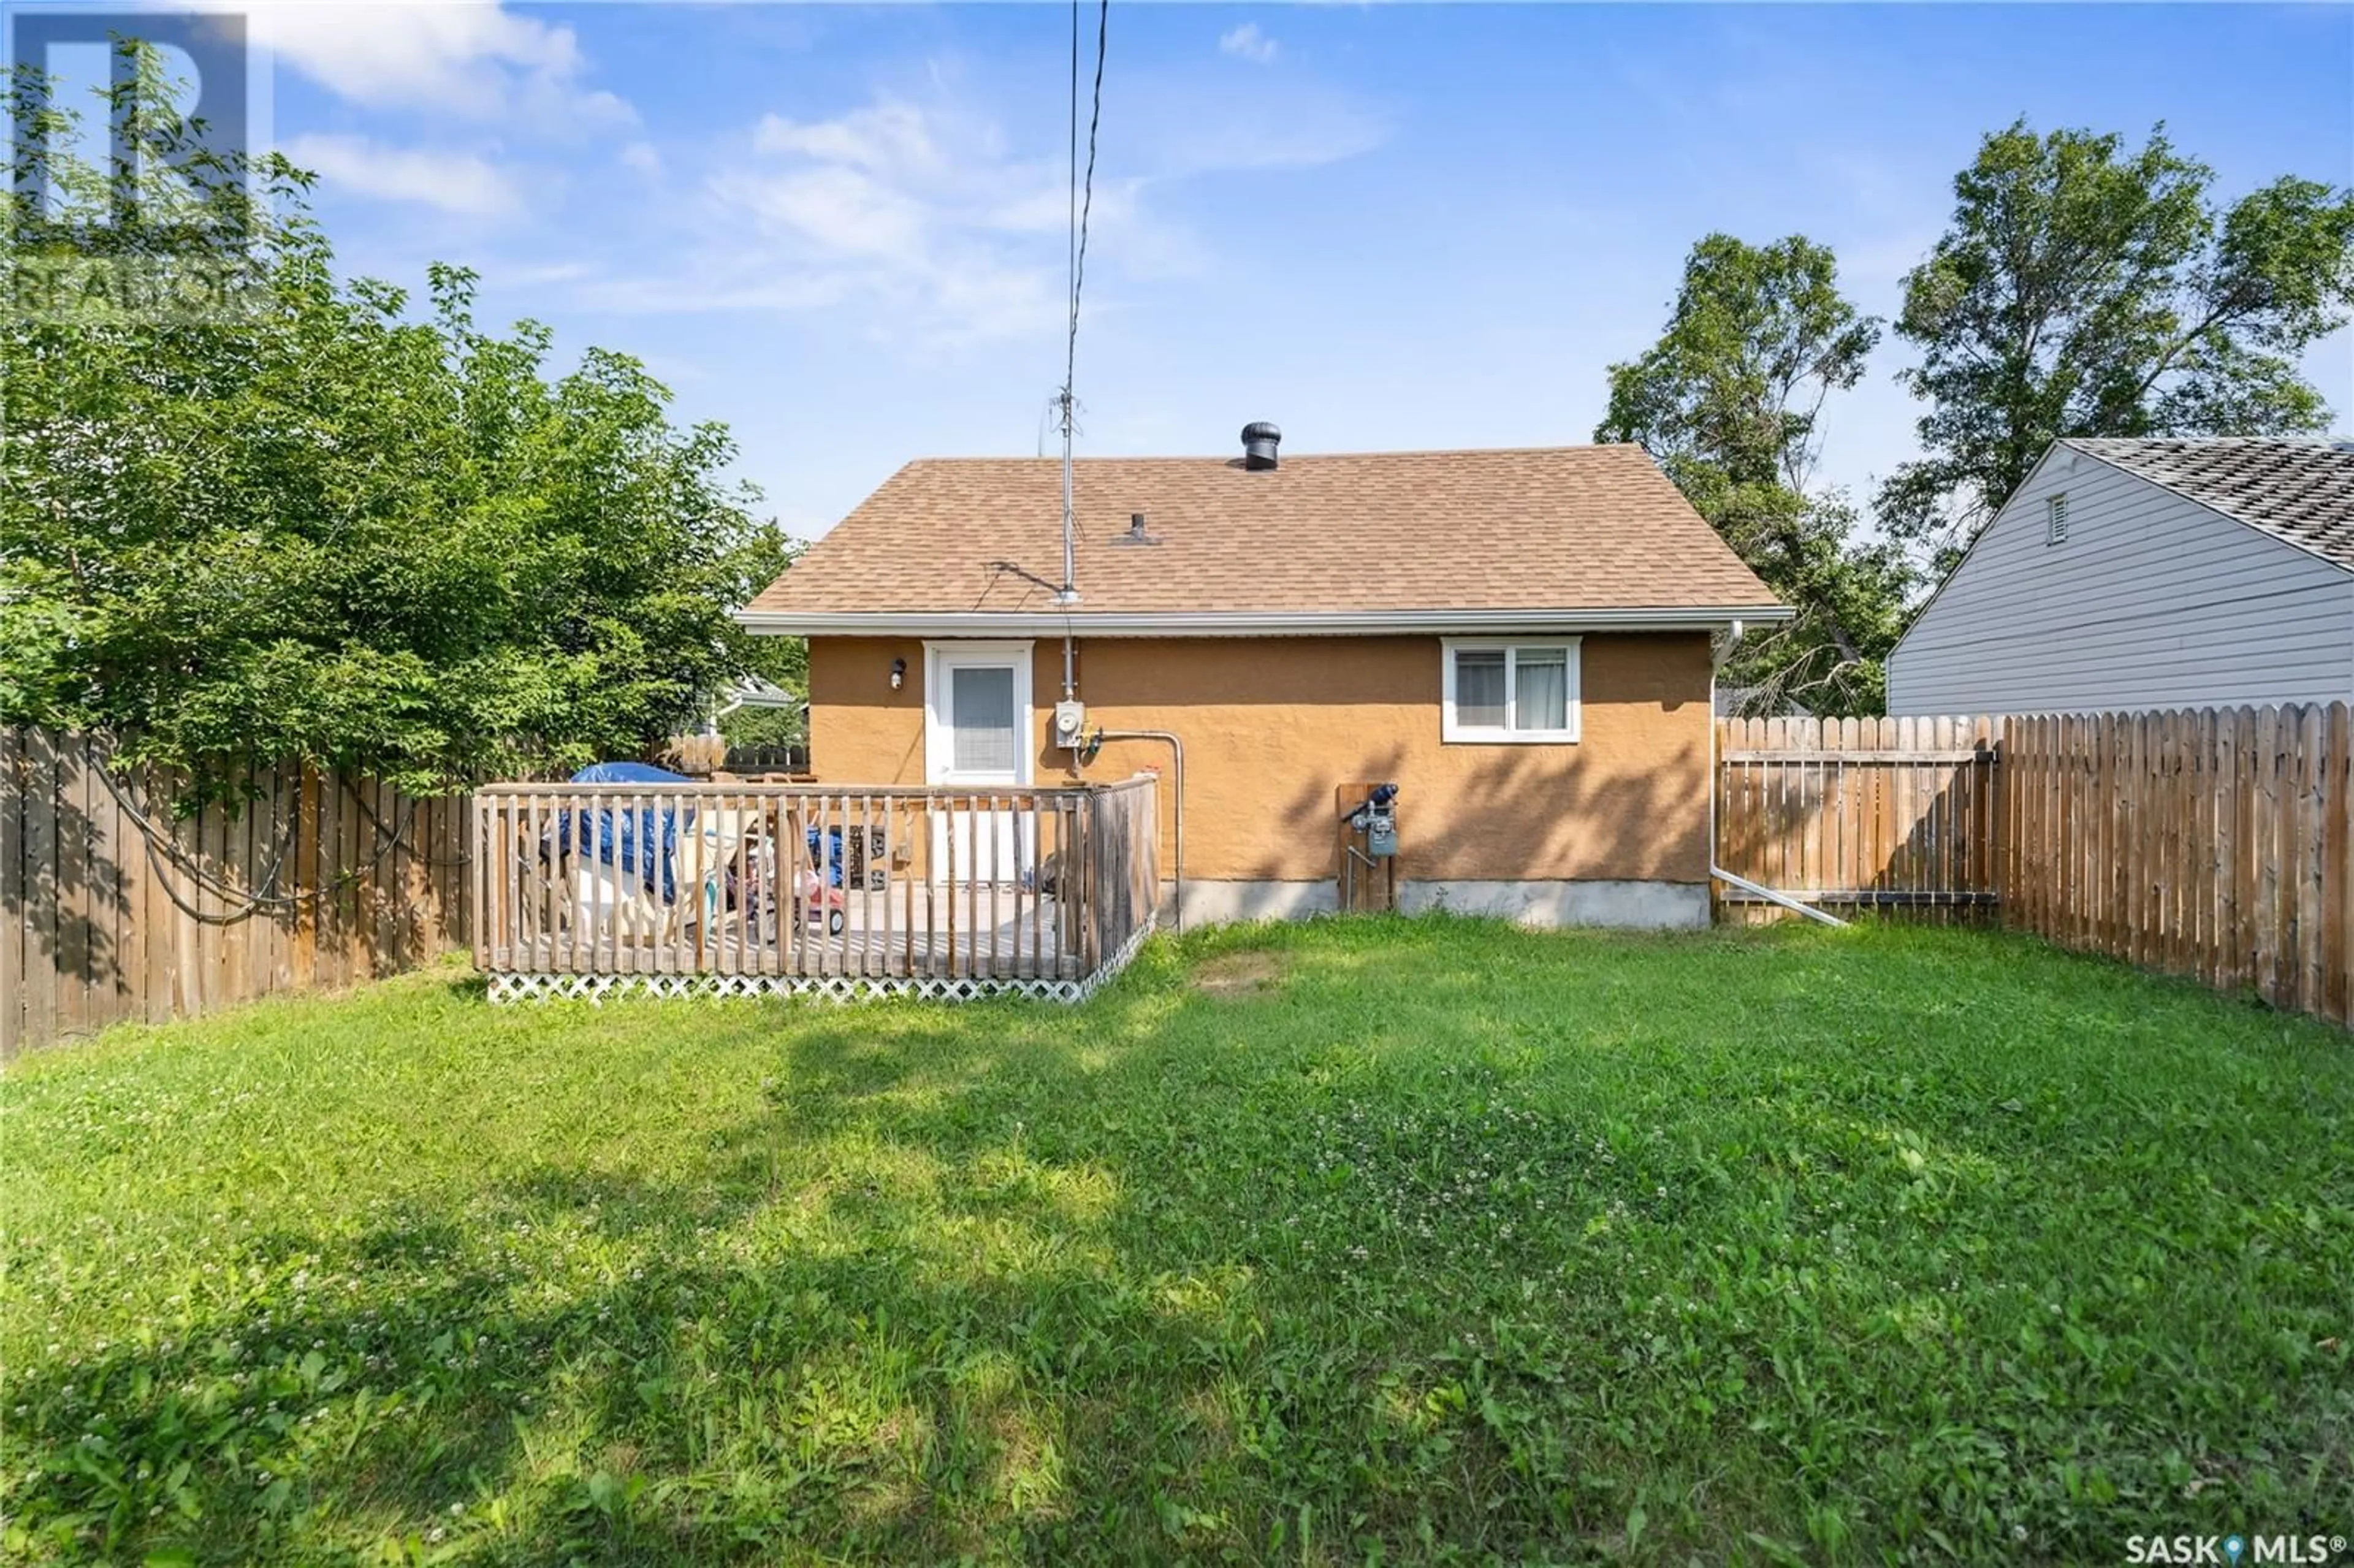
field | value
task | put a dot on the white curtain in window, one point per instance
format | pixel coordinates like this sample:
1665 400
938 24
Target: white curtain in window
1479 687
980 718
1542 677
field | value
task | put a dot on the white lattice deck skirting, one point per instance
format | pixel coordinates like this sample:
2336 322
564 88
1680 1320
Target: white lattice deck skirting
511 986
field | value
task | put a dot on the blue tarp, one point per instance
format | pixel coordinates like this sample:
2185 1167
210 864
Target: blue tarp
833 857
642 842
628 773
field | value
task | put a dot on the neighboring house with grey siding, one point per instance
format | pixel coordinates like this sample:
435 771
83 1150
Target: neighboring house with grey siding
2147 573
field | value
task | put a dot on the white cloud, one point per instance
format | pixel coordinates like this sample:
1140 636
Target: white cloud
887 136
917 210
539 274
918 219
1247 42
454 182
469 57
643 157
840 211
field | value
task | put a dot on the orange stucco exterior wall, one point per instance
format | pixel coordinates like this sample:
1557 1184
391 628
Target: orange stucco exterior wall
1273 725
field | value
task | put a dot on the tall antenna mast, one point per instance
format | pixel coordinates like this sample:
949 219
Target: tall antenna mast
1070 592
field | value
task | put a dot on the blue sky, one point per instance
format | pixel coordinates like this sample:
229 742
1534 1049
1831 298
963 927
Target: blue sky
841 229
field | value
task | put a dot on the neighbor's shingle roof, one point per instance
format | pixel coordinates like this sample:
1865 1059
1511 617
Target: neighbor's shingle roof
1566 528
2300 490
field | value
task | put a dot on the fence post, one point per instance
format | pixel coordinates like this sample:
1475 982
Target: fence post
2334 886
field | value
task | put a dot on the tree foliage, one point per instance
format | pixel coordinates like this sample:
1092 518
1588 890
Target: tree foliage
300 517
1728 403
2084 290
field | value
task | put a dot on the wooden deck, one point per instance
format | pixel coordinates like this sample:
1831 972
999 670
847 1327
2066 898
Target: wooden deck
747 887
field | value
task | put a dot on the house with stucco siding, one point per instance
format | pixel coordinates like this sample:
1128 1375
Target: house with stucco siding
1524 642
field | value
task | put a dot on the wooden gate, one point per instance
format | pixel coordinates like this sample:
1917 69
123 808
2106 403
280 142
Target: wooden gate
1892 815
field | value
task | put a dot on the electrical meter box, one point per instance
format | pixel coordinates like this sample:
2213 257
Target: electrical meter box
1070 720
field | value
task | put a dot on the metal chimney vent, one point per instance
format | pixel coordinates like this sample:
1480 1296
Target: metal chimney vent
1259 441
1136 534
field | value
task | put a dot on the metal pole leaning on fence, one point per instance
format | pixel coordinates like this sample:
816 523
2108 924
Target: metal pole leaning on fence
1771 895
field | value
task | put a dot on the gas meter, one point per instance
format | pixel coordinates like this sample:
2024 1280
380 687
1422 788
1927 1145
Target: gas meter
1376 818
1369 851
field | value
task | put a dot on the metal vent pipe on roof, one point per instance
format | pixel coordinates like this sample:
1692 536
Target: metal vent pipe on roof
1136 534
1259 441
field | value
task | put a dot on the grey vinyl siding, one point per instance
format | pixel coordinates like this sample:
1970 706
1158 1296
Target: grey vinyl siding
2154 601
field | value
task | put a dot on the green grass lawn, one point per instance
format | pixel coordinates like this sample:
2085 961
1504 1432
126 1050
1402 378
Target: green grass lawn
1374 1241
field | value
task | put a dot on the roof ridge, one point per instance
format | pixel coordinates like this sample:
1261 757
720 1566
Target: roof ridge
2322 442
1293 457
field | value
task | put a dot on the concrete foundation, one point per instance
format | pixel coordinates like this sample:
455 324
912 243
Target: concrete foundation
1221 903
1642 905
1646 905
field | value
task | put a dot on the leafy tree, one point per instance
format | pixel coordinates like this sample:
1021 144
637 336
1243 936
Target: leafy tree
294 516
1728 402
2086 291
765 726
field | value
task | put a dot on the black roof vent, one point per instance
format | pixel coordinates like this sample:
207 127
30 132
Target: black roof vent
1136 534
1259 441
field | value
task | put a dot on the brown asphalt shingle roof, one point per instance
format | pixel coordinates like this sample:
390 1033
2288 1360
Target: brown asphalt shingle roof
1561 528
2298 490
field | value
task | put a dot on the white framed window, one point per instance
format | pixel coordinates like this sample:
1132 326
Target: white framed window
976 719
1513 690
2055 519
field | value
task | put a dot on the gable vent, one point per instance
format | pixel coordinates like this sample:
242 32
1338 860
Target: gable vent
2055 519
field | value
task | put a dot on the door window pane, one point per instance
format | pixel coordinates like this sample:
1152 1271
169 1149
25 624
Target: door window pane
1541 681
1479 687
980 718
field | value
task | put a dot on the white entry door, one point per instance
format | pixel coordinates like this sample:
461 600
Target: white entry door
978 735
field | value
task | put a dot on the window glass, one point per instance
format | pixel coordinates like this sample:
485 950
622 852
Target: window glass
1479 687
1541 678
980 718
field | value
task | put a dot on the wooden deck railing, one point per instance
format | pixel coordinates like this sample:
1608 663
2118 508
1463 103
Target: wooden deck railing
773 886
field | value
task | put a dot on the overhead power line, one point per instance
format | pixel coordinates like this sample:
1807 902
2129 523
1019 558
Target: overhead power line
1087 190
1082 203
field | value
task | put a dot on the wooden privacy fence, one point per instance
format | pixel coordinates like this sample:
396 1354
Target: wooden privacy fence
756 887
1884 814
118 909
2213 844
2217 843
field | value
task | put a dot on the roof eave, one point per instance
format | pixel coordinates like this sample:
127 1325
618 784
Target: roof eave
1250 622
